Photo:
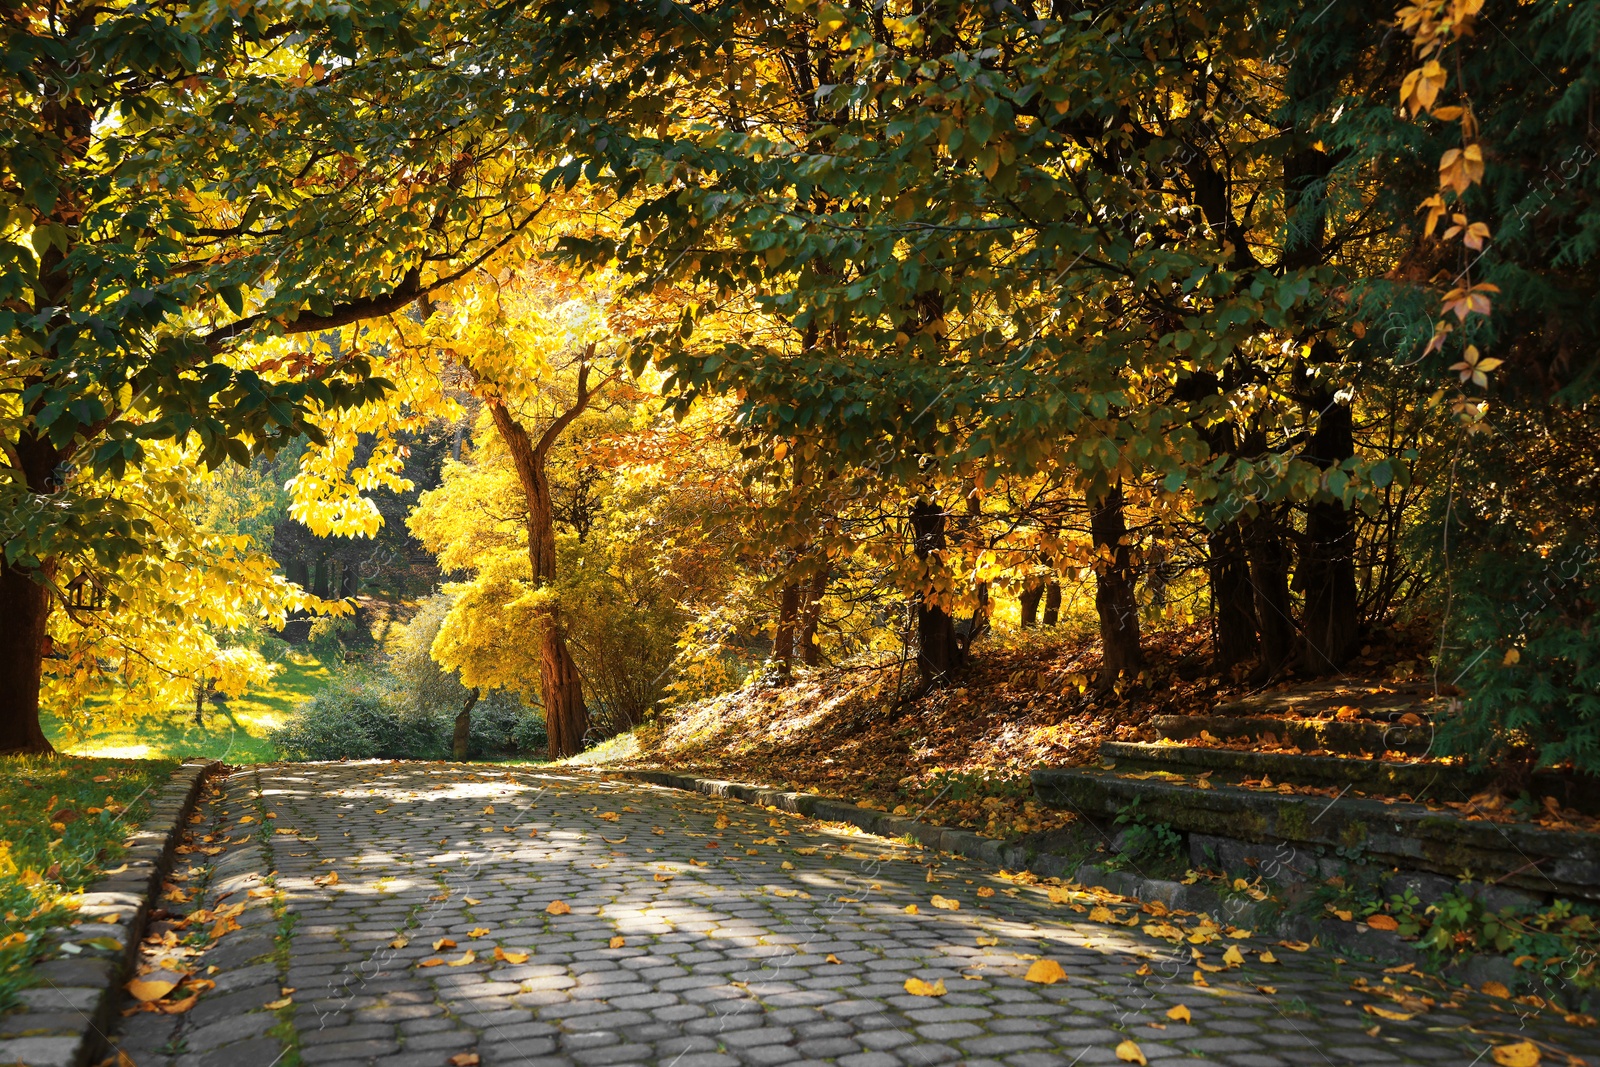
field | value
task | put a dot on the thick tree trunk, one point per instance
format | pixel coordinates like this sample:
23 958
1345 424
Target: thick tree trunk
560 686
938 650
1052 602
24 610
1232 598
1032 593
463 731
783 637
1114 597
811 616
1326 575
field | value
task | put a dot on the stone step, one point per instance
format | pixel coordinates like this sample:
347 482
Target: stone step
1387 778
1356 737
1389 833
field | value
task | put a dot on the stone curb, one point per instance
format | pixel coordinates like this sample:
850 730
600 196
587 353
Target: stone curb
64 1020
1264 916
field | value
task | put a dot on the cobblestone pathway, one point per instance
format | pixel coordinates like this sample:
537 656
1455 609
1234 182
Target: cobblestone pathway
701 932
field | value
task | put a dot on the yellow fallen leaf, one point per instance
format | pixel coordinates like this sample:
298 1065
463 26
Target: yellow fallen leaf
463 1059
609 816
618 942
1381 921
1385 1013
1269 990
1200 979
987 941
432 961
1046 972
1233 957
477 931
145 990
177 1007
331 878
1294 946
985 891
1180 1014
603 837
1496 989
558 907
945 903
443 943
470 901
400 942
467 957
1522 1054
1129 1052
918 988
812 851
911 909
1267 956
1166 931
489 810
664 877
779 891
786 865
721 823
510 957
831 958
274 1005
1101 914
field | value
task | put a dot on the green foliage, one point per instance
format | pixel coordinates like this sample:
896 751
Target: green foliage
1144 840
358 717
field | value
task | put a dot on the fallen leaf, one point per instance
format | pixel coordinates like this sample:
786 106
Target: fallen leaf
1495 989
987 941
477 931
1385 1013
464 1059
1233 957
510 957
618 942
274 1005
1294 946
558 907
946 903
178 1007
145 990
831 958
331 878
1381 921
1269 990
911 909
443 943
470 901
1522 1054
985 891
609 816
1179 1014
1267 956
918 988
467 957
1101 914
1045 972
1129 1052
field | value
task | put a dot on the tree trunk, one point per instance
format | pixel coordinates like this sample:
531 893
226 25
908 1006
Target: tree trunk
1032 593
24 611
1326 574
463 731
1052 602
810 616
560 686
938 650
783 637
1232 598
1114 598
1269 575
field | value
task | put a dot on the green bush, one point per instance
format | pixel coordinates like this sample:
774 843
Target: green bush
358 717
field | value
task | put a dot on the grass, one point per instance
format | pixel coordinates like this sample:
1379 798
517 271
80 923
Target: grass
235 731
63 820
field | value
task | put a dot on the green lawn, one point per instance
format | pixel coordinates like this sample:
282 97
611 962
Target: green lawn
63 820
235 731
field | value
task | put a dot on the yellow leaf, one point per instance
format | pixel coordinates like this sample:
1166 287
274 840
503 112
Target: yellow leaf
443 943
1381 921
1046 972
510 957
463 1059
1495 989
721 823
831 958
1522 1054
467 957
987 941
470 901
489 810
145 990
400 942
786 865
918 988
1294 946
1130 1052
985 891
911 909
432 961
1180 1014
560 907
1267 956
477 931
274 1005
1101 914
1233 957
946 903
618 942
1385 1013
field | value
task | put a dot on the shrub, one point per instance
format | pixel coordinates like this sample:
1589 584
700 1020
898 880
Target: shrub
358 717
